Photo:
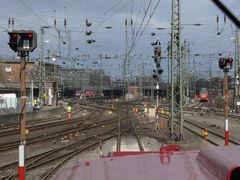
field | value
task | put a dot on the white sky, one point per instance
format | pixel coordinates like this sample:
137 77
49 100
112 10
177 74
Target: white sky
32 14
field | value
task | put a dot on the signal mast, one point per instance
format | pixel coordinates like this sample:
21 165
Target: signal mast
225 64
22 42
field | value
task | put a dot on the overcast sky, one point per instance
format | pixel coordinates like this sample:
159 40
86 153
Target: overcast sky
33 14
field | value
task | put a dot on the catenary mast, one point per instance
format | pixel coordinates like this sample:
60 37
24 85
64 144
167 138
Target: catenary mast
176 119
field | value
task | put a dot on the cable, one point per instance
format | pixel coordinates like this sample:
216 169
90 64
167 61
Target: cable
5 29
112 15
108 10
138 38
24 4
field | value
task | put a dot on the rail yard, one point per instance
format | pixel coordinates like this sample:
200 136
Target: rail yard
119 90
97 128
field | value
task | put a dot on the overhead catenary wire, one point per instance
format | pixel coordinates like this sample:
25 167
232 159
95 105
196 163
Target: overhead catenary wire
137 38
112 15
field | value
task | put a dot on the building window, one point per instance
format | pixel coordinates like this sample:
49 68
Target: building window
8 68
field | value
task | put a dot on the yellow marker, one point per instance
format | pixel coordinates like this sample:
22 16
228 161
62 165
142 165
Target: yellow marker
161 125
26 131
205 133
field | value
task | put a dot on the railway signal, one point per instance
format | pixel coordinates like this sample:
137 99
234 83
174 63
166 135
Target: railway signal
225 64
22 42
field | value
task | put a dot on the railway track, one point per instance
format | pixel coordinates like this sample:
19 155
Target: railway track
214 137
97 133
93 128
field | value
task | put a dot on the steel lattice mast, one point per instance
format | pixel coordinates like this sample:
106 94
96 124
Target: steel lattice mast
42 69
176 121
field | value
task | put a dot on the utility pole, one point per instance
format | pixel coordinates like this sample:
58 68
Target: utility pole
42 71
184 70
176 123
188 74
236 102
169 70
210 81
125 60
101 78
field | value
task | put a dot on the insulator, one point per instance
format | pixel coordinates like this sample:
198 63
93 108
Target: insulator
89 41
125 21
88 33
131 21
65 22
12 21
88 24
55 22
217 18
225 19
9 22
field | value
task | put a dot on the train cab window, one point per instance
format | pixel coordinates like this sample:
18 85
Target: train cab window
235 174
8 68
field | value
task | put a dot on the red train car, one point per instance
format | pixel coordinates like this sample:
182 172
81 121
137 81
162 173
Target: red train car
89 93
203 95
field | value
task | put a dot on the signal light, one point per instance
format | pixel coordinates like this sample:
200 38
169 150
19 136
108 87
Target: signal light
154 76
221 63
229 63
13 35
160 71
230 60
225 63
30 35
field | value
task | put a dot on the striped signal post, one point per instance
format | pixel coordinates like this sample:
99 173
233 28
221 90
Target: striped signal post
22 42
21 167
225 64
226 107
22 116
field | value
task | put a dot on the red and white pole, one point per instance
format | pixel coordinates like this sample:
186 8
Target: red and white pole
226 132
21 163
100 147
226 107
22 115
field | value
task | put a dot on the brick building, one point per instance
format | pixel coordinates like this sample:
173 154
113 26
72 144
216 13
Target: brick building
10 78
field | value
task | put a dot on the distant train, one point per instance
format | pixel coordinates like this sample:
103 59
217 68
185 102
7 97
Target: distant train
203 95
